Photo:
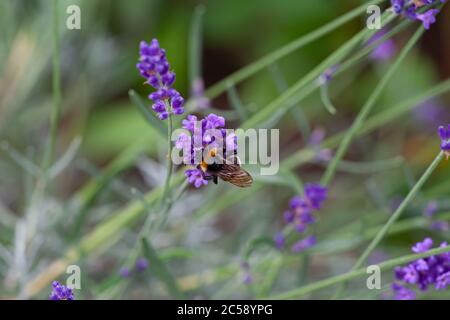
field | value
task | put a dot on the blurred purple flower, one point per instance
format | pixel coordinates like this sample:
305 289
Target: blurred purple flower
61 292
440 226
247 277
316 138
300 214
304 244
377 257
198 94
279 240
141 264
430 209
385 50
402 293
124 272
154 67
431 113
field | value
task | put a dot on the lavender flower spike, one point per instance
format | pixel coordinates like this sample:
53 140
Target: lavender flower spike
413 10
61 292
154 67
444 134
423 273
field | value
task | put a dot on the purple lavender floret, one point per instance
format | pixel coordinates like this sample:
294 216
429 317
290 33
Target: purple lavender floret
398 5
300 214
61 292
196 177
424 246
422 273
154 66
315 195
327 75
304 244
444 134
428 18
402 293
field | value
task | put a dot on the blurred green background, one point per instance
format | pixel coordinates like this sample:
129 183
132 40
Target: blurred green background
98 69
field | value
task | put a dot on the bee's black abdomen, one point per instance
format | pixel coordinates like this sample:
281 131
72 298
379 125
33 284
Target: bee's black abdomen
214 167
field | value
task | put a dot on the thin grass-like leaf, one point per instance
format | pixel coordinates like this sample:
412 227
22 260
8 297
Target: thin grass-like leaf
297 112
22 161
66 158
148 115
236 103
161 271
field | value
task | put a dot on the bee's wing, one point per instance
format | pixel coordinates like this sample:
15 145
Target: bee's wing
233 173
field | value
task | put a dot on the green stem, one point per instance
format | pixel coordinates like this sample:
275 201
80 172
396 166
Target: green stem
169 160
387 265
326 99
384 230
357 124
297 111
56 109
269 59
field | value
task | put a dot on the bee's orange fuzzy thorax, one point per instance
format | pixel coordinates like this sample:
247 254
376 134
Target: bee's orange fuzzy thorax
203 166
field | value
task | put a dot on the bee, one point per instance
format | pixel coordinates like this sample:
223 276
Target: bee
228 170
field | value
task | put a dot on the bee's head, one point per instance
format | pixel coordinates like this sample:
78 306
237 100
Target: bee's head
211 154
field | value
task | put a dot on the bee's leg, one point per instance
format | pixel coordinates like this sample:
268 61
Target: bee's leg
215 180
